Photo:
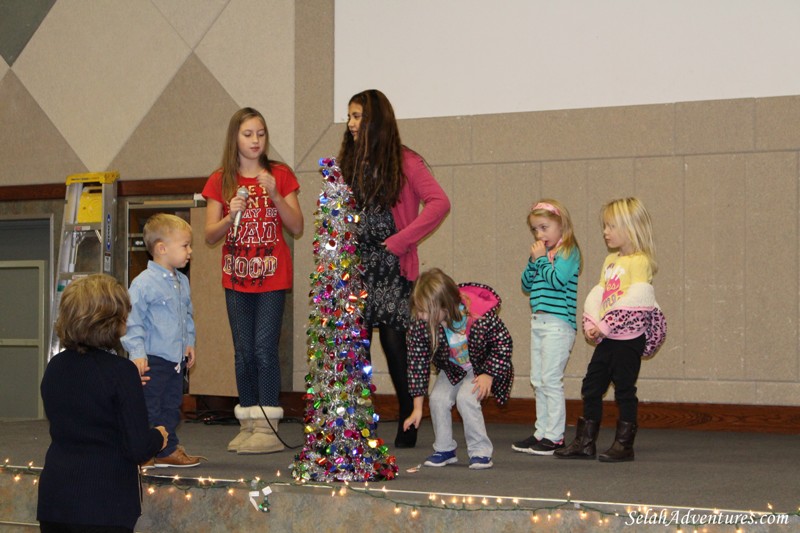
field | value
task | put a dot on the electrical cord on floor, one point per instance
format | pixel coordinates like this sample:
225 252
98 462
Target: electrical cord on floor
275 430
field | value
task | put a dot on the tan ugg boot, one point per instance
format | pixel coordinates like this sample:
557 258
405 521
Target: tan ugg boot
263 439
245 427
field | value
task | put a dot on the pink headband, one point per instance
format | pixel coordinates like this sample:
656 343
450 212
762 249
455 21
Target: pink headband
547 207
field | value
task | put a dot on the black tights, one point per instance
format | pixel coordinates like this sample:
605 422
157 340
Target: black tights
393 342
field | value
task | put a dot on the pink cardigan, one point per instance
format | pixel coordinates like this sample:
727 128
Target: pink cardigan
413 225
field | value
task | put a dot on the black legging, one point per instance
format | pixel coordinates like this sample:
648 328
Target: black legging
393 342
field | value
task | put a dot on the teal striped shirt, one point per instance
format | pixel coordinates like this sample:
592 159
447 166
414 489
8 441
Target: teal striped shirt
553 287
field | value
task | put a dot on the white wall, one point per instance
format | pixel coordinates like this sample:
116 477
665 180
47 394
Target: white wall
437 58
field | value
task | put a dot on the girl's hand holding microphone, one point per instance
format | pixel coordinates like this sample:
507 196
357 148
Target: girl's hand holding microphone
237 204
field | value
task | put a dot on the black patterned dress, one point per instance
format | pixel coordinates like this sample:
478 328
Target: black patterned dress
388 292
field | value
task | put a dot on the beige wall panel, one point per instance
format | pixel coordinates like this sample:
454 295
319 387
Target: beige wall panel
771 273
659 184
250 50
31 148
191 19
699 391
183 134
572 384
310 187
574 134
327 145
522 388
441 141
213 373
437 249
778 393
777 122
474 224
518 188
714 317
714 126
313 74
96 68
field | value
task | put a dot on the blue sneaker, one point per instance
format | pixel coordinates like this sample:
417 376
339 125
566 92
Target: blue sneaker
480 463
442 459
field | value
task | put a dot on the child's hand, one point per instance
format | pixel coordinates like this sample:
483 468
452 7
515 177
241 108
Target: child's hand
592 334
189 356
141 365
538 250
483 386
414 419
236 204
268 183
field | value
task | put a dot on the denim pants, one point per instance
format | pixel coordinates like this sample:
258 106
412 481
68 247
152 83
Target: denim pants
551 342
163 396
442 399
255 320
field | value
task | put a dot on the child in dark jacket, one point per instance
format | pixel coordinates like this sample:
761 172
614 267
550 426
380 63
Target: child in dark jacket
457 328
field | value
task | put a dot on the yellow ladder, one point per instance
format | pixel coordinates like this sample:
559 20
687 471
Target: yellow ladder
90 212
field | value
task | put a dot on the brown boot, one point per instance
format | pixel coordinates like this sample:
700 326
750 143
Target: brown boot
583 447
622 449
245 427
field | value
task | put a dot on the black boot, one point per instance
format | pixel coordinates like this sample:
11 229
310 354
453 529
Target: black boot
583 446
622 449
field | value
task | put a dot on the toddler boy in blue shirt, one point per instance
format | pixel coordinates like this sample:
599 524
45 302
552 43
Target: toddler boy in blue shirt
161 332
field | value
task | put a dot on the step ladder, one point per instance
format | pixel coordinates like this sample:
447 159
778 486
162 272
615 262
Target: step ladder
87 235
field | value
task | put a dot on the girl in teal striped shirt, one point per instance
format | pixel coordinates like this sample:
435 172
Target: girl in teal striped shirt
551 278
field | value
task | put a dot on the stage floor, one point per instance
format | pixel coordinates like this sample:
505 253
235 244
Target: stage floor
712 470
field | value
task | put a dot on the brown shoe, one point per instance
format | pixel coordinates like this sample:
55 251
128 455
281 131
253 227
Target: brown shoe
178 459
147 465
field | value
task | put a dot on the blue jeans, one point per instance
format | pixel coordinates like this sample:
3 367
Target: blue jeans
255 320
442 399
163 396
551 342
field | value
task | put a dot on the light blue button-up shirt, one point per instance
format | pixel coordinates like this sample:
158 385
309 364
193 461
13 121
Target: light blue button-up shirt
161 321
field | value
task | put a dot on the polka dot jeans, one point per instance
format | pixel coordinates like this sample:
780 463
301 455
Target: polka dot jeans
255 320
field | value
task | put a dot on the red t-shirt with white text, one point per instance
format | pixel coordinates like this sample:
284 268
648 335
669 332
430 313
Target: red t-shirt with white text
260 259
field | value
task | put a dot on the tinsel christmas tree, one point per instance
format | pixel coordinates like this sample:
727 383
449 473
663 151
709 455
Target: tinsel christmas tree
340 422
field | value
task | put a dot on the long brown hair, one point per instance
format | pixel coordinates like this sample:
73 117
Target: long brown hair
435 291
92 313
373 164
230 154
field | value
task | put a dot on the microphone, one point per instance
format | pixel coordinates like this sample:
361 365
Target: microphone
241 193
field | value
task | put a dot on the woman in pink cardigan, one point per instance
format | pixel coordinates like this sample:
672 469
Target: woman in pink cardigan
389 182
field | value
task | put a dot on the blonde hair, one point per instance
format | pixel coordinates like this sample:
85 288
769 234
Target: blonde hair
630 214
160 227
435 291
93 313
569 243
